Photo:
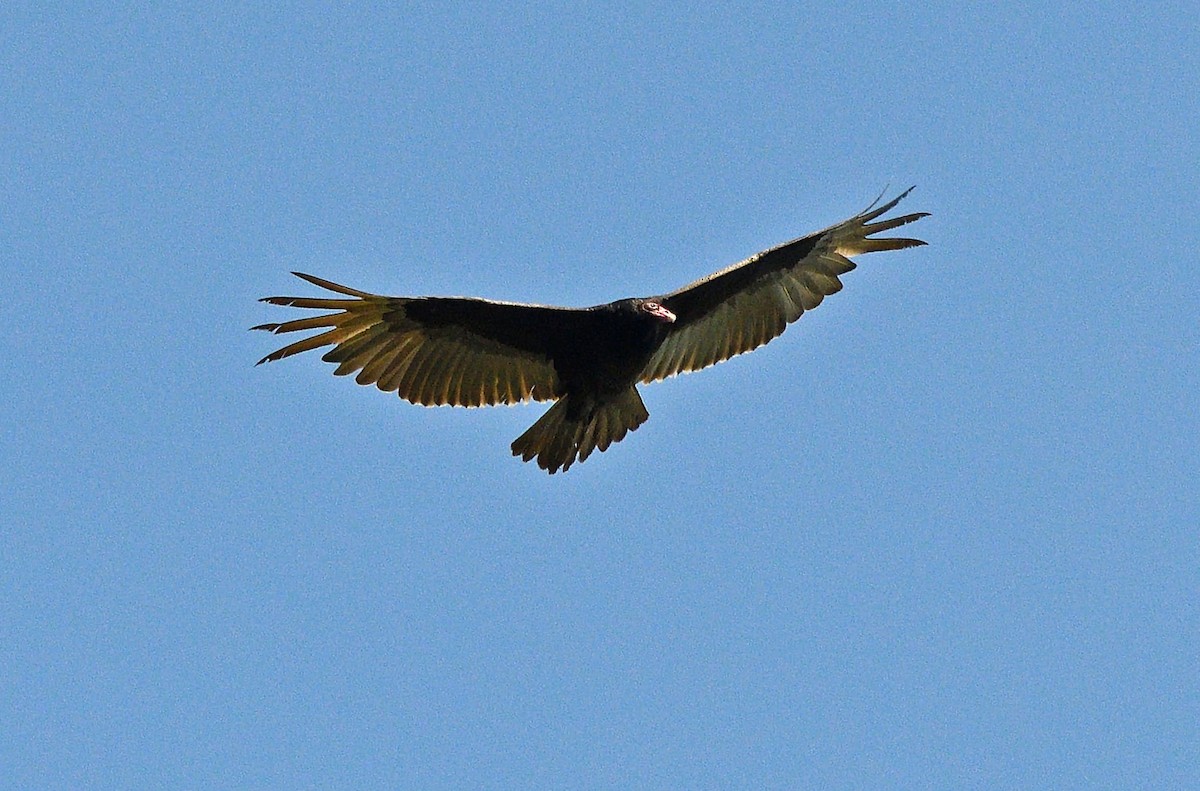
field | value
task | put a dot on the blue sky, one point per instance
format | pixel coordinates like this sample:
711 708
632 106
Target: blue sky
942 534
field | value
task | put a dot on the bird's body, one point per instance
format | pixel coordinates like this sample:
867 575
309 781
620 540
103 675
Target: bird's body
606 352
473 352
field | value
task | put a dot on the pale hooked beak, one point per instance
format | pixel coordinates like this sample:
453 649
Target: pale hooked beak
658 310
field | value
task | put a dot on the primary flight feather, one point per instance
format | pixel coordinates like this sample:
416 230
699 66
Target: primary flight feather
475 352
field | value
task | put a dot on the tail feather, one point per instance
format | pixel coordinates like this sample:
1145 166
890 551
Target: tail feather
565 434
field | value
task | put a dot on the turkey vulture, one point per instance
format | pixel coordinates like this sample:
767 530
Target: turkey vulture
473 352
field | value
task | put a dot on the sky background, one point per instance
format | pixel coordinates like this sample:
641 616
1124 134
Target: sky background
943 534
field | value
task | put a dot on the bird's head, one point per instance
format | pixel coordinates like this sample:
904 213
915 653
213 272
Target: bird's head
657 309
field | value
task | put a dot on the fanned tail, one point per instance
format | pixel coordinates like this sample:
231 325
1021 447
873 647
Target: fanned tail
565 433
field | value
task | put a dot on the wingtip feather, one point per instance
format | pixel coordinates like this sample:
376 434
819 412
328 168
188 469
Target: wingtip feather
895 222
873 211
329 285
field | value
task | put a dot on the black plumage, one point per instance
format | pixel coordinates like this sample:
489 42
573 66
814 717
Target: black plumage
473 352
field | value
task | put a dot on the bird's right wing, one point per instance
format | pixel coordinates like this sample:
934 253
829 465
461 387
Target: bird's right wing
746 305
432 350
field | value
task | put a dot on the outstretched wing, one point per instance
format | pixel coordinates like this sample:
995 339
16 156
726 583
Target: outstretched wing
432 350
741 308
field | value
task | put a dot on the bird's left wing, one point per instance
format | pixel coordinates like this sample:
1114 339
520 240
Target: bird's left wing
741 308
433 350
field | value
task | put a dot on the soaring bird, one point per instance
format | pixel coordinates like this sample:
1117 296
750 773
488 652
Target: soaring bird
474 352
